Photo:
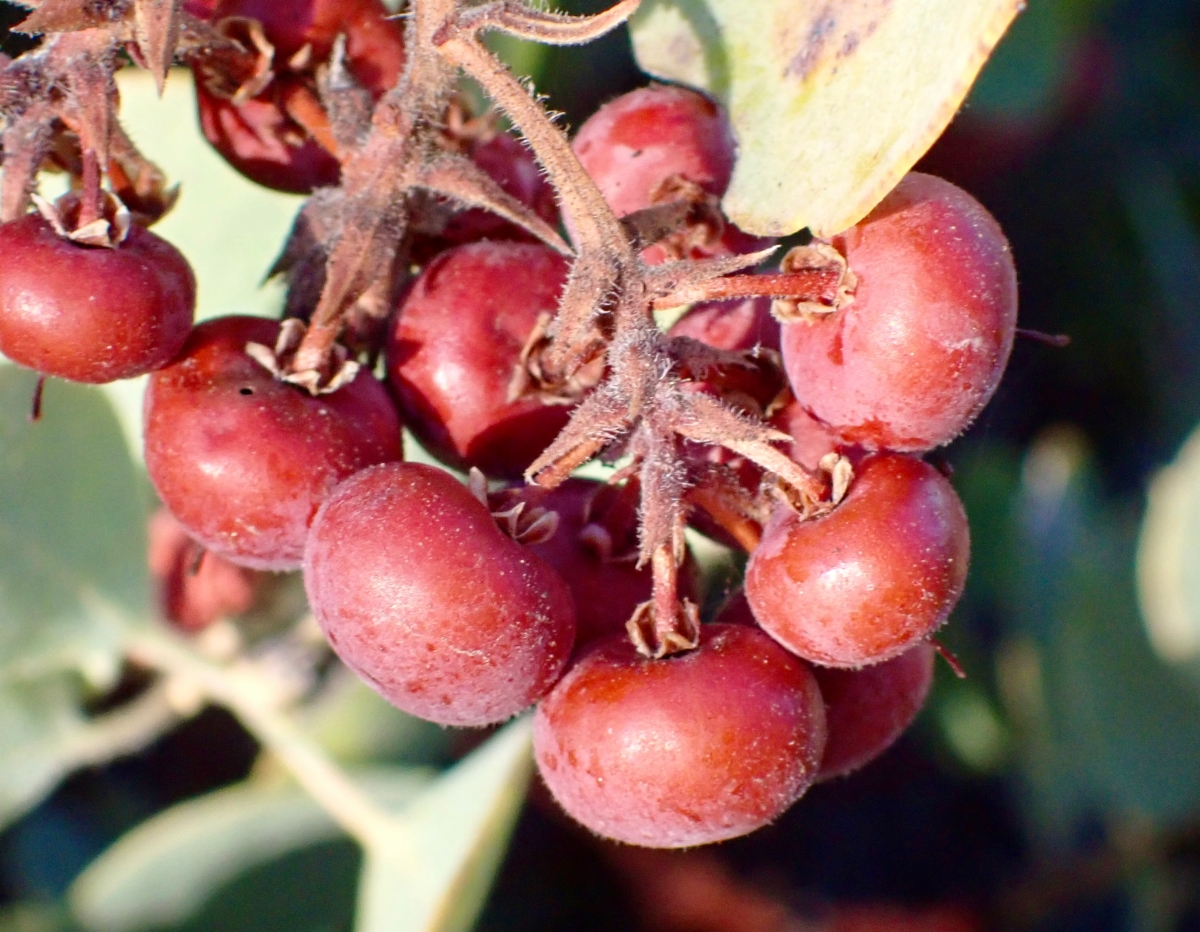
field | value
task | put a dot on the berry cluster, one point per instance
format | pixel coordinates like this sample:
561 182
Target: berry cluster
780 414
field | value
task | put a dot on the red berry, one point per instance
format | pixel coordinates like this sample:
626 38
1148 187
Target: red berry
195 587
635 145
263 143
867 581
88 313
244 460
692 749
920 349
259 137
455 347
595 550
730 325
867 710
422 595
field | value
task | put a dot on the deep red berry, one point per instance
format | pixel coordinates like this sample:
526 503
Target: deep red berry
920 349
422 595
244 460
455 348
89 313
595 549
637 146
195 586
265 137
867 710
870 579
692 749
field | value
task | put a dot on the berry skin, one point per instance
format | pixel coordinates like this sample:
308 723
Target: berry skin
595 551
692 749
872 578
455 346
636 146
423 596
244 460
195 587
867 710
87 313
920 349
258 137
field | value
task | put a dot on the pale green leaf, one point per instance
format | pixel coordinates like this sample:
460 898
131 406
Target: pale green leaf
166 869
72 533
436 875
831 103
38 721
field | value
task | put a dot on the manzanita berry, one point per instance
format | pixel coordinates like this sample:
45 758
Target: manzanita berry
871 578
91 313
421 594
455 349
242 459
265 137
641 146
913 358
695 748
867 710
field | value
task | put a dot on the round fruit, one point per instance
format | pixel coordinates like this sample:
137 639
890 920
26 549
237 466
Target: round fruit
455 347
634 147
917 353
195 587
595 549
89 313
870 579
244 460
691 749
423 596
867 710
259 136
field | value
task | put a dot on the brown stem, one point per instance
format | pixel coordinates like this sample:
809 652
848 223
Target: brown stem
1058 340
745 531
818 286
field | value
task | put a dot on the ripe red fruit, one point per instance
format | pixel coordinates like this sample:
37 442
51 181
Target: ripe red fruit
911 361
423 596
867 710
635 145
259 137
692 749
595 551
455 347
870 579
195 587
89 313
244 460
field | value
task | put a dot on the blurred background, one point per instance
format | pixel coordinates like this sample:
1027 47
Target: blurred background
1057 787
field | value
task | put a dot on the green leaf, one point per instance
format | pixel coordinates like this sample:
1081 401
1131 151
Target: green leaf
167 868
436 876
1168 561
831 103
72 533
38 721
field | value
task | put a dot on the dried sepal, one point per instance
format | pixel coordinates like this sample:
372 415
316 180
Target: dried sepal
279 361
820 260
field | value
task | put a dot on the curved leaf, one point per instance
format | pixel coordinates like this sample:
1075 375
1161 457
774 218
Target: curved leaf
831 102
165 869
72 533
